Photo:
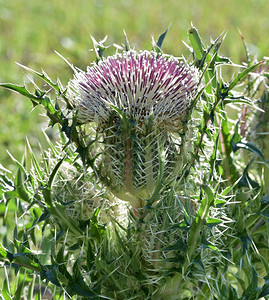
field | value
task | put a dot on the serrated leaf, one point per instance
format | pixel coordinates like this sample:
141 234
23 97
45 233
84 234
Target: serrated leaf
26 260
265 288
44 216
35 164
47 190
97 231
78 286
205 203
5 291
83 153
161 38
252 290
178 260
38 98
127 44
265 200
213 222
209 193
50 273
245 242
236 136
30 291
67 223
99 47
199 263
248 146
19 291
20 186
74 288
178 246
240 99
182 225
21 90
219 202
196 43
60 258
206 244
240 281
20 189
242 74
44 77
90 256
245 180
226 135
3 251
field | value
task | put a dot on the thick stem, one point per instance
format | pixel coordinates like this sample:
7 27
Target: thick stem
128 176
149 168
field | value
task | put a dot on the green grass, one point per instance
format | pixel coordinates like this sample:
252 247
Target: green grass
32 30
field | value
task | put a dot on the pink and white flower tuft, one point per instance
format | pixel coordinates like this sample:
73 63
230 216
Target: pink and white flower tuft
141 84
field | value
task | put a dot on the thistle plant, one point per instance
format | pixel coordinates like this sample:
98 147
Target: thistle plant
150 191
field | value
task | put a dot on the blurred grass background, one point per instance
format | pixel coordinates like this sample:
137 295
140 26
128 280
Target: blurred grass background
31 31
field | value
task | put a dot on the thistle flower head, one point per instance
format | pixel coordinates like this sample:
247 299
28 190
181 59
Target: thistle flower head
141 84
136 99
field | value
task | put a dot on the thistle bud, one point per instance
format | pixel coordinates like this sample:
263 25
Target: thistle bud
138 101
80 198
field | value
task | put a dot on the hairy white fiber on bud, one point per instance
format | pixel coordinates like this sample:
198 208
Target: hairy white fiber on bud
81 198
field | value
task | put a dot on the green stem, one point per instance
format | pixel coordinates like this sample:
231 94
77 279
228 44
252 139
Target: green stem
128 176
193 242
149 167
